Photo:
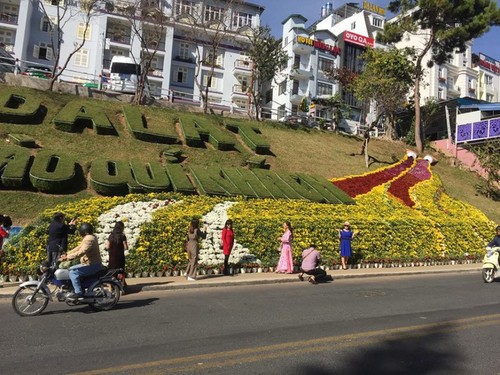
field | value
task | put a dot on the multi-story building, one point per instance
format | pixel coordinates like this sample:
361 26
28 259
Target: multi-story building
488 73
335 41
183 50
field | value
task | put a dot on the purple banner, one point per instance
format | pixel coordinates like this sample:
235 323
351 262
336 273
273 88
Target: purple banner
494 127
480 130
464 132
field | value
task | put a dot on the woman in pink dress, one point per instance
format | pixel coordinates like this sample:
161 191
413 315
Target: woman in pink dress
285 264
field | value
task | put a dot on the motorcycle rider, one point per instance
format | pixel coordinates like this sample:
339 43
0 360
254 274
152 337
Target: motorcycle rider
90 261
496 241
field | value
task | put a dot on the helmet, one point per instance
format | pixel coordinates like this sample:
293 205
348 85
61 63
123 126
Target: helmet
85 228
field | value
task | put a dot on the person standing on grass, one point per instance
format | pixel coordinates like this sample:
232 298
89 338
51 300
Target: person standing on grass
194 233
345 237
285 263
116 244
227 243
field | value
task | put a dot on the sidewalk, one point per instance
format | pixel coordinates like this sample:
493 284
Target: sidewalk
137 285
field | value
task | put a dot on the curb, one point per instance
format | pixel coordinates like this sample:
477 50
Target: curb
9 288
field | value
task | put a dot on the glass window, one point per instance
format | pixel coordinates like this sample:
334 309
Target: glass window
184 7
82 58
282 88
324 89
184 51
180 75
81 30
213 13
326 64
241 19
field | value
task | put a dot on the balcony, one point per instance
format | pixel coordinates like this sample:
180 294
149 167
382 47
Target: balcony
119 38
154 45
472 91
242 67
9 18
302 49
296 98
300 72
239 91
189 60
442 80
155 73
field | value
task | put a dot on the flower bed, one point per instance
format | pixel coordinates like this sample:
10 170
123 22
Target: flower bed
400 188
362 184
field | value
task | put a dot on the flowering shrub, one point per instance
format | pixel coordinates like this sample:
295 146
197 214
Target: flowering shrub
400 187
362 184
434 227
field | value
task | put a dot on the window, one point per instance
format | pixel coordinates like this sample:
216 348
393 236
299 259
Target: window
441 94
281 111
46 24
213 13
212 84
219 60
184 7
7 37
269 96
183 51
488 80
353 25
324 89
82 58
42 51
81 33
489 98
295 109
378 22
450 83
54 2
282 88
295 88
242 19
180 75
326 65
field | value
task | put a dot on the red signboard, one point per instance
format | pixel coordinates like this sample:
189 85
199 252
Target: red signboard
360 40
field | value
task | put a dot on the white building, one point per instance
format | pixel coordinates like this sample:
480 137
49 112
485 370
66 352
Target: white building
181 50
488 73
335 41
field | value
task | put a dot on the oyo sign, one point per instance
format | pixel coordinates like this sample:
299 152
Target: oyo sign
360 40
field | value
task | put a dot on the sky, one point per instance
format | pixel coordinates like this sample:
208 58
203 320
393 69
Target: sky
278 10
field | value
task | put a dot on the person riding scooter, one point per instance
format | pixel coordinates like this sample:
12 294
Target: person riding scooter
90 261
496 241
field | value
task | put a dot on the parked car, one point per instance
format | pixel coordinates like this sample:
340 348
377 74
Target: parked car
38 71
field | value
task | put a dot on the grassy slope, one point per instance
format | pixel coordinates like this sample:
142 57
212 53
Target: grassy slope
322 153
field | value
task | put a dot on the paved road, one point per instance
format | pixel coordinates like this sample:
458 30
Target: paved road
402 324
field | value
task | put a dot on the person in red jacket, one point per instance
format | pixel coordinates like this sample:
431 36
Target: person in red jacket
227 243
5 224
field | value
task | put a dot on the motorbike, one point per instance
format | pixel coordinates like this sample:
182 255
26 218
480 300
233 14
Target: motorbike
102 290
490 264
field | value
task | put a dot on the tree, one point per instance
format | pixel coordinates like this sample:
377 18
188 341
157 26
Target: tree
148 23
267 57
442 28
386 81
56 26
346 78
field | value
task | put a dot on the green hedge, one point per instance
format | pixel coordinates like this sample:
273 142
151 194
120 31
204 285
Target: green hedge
190 132
14 164
52 173
19 109
215 135
146 131
180 182
151 176
109 177
22 140
237 179
69 118
251 135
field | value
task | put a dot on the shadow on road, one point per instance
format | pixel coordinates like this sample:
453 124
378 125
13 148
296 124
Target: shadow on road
85 309
417 352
